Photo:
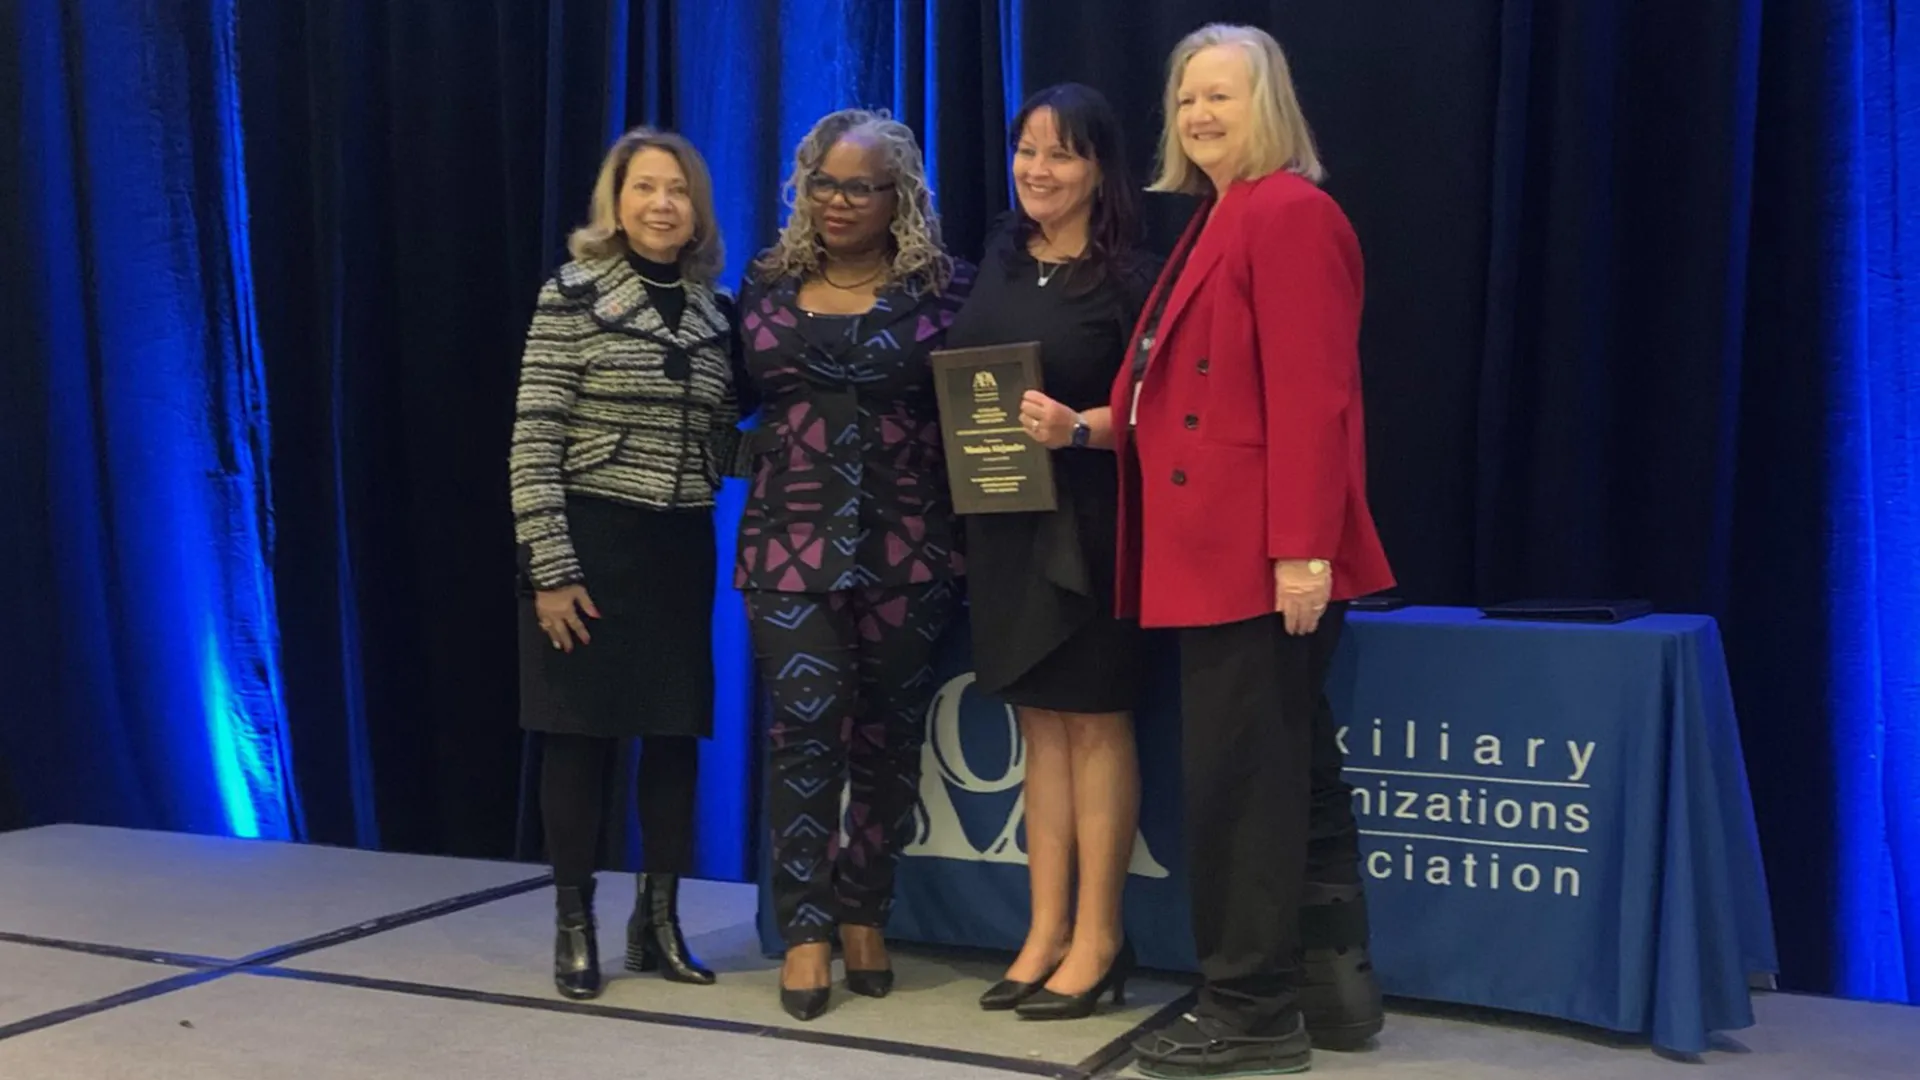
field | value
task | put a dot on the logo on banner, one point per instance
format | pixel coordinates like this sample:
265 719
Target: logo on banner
953 794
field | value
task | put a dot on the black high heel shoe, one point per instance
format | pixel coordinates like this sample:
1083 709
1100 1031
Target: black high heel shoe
1008 993
870 982
807 1004
1047 1005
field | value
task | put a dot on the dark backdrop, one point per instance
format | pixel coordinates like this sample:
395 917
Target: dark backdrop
1635 327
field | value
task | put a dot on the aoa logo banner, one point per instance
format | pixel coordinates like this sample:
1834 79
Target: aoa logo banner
973 784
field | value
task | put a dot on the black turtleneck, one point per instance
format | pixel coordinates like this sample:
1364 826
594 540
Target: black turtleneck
668 296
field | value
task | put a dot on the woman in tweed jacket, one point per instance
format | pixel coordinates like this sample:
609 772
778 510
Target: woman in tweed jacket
626 411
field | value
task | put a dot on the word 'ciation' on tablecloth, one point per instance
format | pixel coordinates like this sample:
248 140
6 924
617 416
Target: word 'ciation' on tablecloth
1470 810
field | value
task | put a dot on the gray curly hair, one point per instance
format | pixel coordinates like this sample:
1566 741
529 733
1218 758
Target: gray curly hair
919 260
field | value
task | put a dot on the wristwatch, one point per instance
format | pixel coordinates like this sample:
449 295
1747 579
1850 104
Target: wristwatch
1081 432
1317 567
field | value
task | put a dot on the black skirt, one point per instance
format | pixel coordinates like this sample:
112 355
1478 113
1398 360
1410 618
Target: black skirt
649 670
1040 587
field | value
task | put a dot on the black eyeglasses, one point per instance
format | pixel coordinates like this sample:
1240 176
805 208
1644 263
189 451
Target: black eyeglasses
821 188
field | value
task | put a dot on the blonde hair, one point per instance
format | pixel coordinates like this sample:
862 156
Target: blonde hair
602 238
918 257
1280 138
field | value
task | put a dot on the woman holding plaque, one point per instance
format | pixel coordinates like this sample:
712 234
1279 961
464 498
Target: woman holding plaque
1063 270
626 408
1244 524
847 557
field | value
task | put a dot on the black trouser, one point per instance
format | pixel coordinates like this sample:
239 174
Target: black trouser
849 676
576 779
1260 761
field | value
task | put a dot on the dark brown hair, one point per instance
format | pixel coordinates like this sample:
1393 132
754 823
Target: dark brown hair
1088 126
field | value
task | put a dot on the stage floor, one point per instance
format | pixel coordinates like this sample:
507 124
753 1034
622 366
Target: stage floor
158 956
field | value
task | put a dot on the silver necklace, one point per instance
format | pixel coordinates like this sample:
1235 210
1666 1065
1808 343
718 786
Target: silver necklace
1048 271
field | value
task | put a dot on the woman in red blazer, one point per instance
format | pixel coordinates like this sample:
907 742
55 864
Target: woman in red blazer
1244 524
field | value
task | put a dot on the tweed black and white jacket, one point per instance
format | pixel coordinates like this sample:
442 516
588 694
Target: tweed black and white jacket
614 405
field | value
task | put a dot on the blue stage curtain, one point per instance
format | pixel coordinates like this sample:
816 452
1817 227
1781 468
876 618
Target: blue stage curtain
1874 499
143 662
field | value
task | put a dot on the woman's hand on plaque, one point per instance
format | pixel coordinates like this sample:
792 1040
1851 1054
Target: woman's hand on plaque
1048 422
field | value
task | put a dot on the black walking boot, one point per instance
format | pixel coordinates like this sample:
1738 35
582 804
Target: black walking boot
1338 992
654 940
576 952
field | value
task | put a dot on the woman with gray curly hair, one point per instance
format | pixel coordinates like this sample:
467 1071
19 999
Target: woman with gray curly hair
847 551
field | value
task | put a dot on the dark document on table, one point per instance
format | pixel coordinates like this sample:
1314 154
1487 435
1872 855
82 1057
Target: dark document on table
993 466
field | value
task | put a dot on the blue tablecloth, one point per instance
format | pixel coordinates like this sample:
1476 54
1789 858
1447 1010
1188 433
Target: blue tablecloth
1555 817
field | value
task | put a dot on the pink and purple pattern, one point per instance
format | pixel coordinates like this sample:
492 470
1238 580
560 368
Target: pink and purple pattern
848 483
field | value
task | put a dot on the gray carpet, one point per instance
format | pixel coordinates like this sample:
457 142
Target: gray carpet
466 994
1796 1038
209 895
245 1028
504 947
36 980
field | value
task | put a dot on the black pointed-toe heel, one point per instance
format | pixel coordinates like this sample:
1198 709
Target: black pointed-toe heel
807 1004
654 940
868 982
1044 1004
576 950
1007 993
873 984
804 1005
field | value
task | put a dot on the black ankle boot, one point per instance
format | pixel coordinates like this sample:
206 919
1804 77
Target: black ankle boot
576 952
1339 995
654 941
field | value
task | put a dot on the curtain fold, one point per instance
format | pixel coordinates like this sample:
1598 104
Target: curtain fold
1874 496
142 631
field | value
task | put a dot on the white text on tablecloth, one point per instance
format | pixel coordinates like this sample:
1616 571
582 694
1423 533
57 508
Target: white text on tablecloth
1471 810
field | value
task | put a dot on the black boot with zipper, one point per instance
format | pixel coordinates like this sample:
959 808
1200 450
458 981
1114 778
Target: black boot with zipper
576 952
654 940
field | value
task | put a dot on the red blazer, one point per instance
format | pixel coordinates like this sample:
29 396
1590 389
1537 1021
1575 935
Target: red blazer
1249 436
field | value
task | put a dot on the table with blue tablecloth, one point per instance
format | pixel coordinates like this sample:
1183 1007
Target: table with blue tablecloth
1555 820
